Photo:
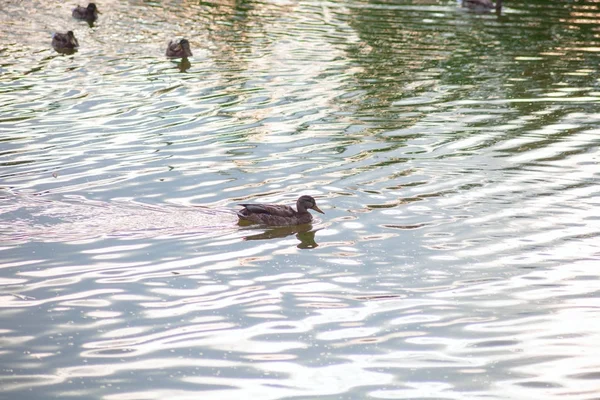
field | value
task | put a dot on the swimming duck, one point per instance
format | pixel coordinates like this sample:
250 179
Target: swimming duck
89 13
279 215
64 41
179 49
482 5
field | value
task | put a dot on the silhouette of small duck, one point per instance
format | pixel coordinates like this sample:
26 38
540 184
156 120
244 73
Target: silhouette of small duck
179 49
482 5
279 215
89 13
64 42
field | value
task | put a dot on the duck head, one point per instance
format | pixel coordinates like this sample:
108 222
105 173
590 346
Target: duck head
305 203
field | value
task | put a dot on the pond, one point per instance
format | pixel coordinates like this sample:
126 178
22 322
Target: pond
454 154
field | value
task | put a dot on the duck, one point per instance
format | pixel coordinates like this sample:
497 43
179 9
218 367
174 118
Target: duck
89 13
482 5
279 215
64 41
179 49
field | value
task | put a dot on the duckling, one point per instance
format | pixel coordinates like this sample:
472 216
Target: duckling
64 41
179 49
279 215
482 5
89 13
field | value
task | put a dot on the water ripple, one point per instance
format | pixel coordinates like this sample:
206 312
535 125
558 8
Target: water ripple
454 155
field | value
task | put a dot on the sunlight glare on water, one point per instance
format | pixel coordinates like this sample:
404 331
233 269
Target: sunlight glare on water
455 156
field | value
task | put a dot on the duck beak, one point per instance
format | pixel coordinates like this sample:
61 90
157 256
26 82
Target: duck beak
317 209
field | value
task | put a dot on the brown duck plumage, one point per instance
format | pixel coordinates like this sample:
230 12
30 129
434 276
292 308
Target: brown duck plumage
482 5
279 215
64 41
89 13
179 49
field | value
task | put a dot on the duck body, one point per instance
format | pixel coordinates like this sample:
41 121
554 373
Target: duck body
64 41
89 13
179 49
279 215
482 5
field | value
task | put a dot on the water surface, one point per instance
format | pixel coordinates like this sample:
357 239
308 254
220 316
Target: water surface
455 156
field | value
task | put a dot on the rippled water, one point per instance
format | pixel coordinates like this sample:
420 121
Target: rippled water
455 156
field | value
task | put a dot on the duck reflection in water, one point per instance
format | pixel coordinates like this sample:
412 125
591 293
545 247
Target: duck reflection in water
304 233
284 220
183 65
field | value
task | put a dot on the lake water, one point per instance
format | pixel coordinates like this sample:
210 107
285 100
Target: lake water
455 156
